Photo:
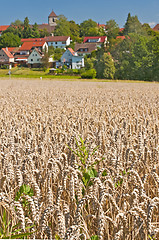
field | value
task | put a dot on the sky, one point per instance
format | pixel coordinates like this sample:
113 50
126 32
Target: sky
100 11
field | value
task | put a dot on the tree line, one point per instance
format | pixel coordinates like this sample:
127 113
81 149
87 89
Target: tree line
133 55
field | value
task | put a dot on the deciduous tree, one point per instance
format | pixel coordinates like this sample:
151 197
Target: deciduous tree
105 67
63 27
112 29
88 27
9 39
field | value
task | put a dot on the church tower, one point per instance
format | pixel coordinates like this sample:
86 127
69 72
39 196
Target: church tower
52 18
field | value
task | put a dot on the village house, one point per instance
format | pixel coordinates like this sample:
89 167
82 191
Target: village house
99 40
6 58
77 62
27 46
71 59
55 41
24 51
34 59
85 48
67 57
58 41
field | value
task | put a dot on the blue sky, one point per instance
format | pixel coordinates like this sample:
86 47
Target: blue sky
80 10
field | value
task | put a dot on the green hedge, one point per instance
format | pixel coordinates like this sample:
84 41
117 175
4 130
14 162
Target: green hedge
90 74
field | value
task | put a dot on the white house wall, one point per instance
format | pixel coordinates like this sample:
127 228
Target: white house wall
66 57
36 58
60 44
77 62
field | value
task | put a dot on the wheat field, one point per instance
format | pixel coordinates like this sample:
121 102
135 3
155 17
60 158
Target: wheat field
43 126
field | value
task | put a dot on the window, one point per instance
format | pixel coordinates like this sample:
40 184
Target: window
35 54
55 42
63 42
51 43
31 60
38 59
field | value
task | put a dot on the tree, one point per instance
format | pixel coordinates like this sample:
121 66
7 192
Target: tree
112 29
58 53
75 31
154 49
63 27
89 63
105 67
35 31
44 33
9 39
16 30
45 61
17 22
133 25
88 27
27 32
133 58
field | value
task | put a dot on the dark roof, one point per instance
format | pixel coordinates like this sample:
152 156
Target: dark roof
90 46
46 26
56 38
52 14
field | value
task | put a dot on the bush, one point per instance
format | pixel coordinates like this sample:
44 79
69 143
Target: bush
89 74
4 67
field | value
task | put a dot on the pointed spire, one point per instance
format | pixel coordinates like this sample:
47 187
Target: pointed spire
52 14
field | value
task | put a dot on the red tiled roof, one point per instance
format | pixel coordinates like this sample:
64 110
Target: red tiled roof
13 49
71 51
56 38
101 25
122 37
4 27
156 28
52 14
101 39
5 50
32 39
27 46
121 29
10 49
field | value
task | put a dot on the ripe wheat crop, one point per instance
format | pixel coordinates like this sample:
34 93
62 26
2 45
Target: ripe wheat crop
79 160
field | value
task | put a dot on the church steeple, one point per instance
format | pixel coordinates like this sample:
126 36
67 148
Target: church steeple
52 18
